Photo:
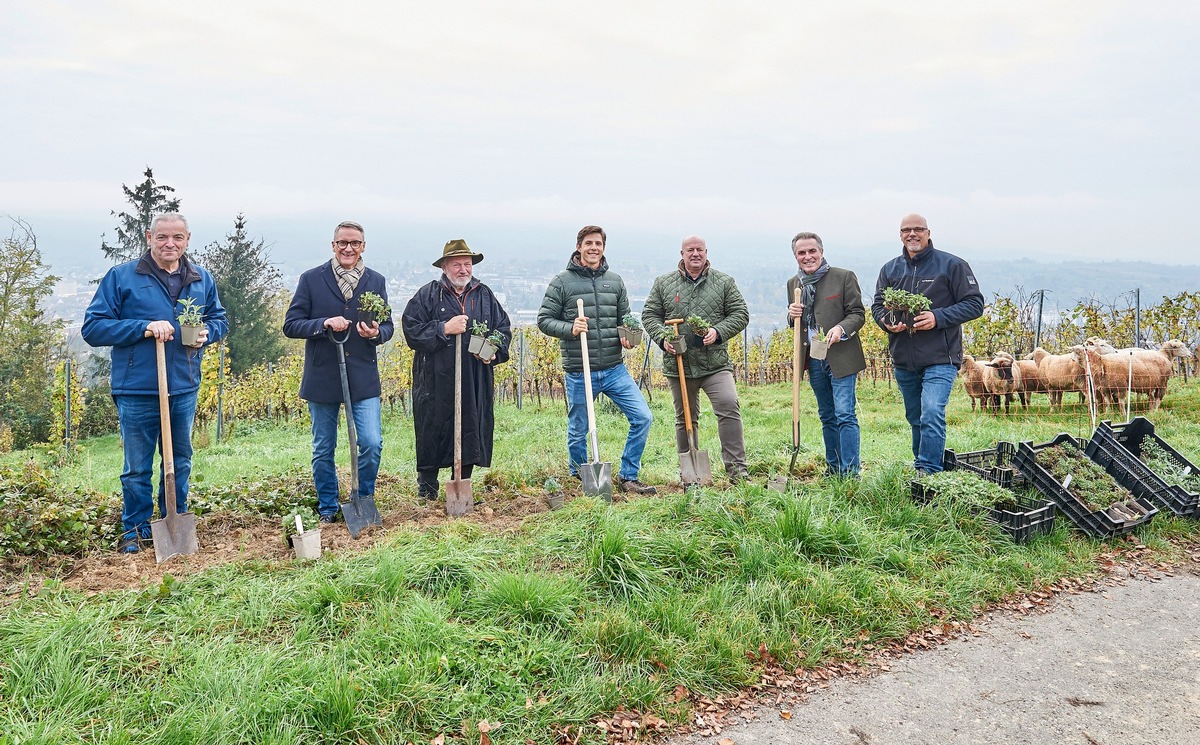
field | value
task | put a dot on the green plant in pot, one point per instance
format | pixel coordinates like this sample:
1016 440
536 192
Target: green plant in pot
903 305
630 329
699 328
191 321
302 531
484 341
373 309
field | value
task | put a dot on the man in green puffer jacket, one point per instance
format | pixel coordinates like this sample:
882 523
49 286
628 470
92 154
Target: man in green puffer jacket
696 289
605 303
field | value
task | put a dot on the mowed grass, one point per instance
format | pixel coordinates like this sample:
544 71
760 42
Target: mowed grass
574 614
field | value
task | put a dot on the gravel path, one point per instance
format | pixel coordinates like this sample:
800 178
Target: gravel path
1115 667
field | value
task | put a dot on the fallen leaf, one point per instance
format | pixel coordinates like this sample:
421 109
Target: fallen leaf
439 740
725 741
785 714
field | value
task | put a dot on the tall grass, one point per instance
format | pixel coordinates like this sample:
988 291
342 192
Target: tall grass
573 614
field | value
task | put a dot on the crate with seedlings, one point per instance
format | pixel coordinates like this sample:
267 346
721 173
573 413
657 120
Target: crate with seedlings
994 464
1019 511
1101 501
1175 479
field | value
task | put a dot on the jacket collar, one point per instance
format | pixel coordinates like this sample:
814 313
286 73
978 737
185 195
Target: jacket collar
146 265
919 258
575 265
703 272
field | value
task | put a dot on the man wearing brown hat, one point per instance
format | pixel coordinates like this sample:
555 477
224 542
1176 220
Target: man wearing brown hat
327 300
441 310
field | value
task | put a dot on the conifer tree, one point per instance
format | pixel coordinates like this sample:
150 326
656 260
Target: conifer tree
148 199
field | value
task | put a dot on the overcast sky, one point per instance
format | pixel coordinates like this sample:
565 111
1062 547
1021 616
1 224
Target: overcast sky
1051 129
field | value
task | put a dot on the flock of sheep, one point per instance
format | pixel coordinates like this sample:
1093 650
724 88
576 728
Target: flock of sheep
1093 369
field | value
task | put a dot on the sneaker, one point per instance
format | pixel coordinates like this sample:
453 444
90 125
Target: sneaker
636 487
130 543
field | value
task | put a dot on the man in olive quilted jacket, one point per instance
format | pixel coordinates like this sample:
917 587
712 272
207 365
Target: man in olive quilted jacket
696 289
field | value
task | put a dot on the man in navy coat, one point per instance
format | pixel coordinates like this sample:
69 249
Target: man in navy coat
327 300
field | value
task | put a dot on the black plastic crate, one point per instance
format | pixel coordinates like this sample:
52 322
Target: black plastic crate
1125 441
1021 519
994 464
1101 523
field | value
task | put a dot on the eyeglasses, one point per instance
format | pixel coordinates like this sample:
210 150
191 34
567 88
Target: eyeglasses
349 244
912 230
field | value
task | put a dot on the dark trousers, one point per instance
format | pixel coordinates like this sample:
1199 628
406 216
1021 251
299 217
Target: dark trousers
427 480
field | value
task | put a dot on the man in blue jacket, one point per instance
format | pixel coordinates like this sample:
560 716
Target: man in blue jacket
134 307
926 357
327 299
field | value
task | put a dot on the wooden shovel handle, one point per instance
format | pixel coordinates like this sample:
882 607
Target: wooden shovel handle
683 392
796 374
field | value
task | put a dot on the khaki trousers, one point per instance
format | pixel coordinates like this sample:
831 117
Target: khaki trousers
722 394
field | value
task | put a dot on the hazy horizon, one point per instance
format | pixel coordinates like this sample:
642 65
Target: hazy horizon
1028 129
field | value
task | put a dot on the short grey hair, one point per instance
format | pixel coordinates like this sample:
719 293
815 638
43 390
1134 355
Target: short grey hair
808 236
169 217
349 224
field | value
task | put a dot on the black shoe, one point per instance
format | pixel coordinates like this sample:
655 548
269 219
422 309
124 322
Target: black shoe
328 519
634 486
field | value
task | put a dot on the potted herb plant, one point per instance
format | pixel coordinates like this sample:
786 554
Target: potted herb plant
491 344
306 542
191 321
699 328
903 305
479 334
372 309
631 329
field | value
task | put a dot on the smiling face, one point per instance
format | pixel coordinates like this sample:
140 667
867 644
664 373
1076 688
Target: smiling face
808 254
168 240
695 255
591 250
914 234
348 246
458 270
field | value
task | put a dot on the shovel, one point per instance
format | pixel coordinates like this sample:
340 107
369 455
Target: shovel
459 499
694 467
174 534
785 483
359 512
596 476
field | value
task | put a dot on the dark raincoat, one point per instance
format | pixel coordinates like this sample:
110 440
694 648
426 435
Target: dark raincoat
433 373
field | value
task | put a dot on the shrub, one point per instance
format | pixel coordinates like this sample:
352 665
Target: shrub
39 518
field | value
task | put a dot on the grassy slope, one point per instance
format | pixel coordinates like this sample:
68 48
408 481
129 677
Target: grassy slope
578 612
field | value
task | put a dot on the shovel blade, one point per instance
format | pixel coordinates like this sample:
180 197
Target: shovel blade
359 513
174 535
597 480
459 499
694 468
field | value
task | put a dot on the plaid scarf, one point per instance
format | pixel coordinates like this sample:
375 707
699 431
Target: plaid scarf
808 294
347 279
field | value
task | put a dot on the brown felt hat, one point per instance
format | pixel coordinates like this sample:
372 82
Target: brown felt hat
457 247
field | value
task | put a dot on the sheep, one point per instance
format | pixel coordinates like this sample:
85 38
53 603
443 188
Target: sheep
1144 370
1001 377
1031 381
972 374
1059 373
1101 344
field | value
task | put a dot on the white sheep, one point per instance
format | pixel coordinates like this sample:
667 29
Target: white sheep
972 374
1001 378
1139 370
1060 373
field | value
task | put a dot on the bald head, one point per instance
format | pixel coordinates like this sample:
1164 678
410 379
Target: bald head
914 234
695 255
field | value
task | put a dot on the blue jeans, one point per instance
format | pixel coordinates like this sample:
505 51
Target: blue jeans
616 383
141 435
926 393
839 422
368 428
